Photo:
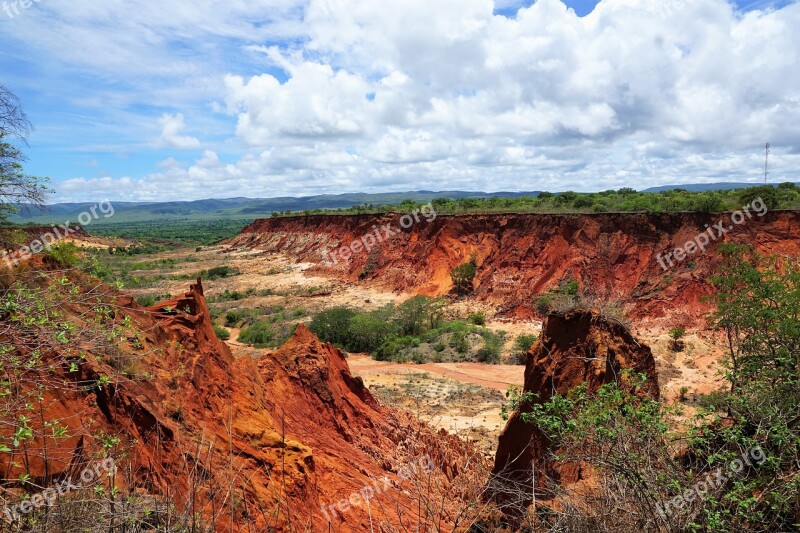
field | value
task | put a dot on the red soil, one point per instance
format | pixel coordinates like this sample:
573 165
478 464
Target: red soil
519 256
280 436
575 348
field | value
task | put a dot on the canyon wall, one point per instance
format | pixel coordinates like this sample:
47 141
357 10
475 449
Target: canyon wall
519 256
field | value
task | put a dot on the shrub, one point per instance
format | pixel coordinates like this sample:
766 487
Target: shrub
676 344
570 288
544 303
490 352
260 334
677 333
524 343
459 342
333 325
369 331
233 318
222 333
149 300
221 272
768 194
418 314
463 276
66 254
478 318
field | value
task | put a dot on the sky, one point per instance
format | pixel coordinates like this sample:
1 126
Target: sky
187 99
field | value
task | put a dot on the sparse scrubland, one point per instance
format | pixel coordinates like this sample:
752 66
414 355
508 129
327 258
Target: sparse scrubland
783 196
415 330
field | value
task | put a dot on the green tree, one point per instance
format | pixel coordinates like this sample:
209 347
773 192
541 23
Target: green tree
333 325
767 193
418 314
368 331
463 275
16 187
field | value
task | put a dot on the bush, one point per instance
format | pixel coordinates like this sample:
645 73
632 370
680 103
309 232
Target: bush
490 352
369 331
462 276
333 325
233 318
768 194
544 303
222 333
418 314
479 318
221 272
570 288
677 333
524 343
149 300
259 334
66 254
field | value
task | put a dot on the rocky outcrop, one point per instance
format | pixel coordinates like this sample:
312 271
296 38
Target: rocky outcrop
519 256
254 445
575 348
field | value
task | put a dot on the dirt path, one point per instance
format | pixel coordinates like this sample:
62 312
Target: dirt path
498 377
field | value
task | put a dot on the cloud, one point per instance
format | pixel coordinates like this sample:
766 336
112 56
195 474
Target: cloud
320 96
171 126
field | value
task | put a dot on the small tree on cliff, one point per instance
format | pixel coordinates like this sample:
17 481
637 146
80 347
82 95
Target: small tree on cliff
463 275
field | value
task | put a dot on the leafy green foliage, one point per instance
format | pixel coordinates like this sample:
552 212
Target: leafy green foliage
66 254
677 333
414 330
769 195
625 200
462 277
478 318
222 333
260 334
521 347
333 325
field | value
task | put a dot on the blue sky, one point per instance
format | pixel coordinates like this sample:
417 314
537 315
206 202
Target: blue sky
135 100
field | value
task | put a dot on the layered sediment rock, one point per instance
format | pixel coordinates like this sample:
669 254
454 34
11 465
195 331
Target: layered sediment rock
575 348
519 256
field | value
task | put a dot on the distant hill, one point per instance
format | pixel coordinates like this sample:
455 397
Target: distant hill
702 187
246 209
238 208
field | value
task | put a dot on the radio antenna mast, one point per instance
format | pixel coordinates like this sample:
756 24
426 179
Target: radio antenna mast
766 164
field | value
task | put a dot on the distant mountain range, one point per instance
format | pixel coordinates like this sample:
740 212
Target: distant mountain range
240 208
252 208
702 187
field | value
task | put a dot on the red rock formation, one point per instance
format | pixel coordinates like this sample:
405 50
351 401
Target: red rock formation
256 444
577 347
519 256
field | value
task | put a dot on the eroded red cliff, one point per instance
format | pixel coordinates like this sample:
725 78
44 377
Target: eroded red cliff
519 256
253 445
